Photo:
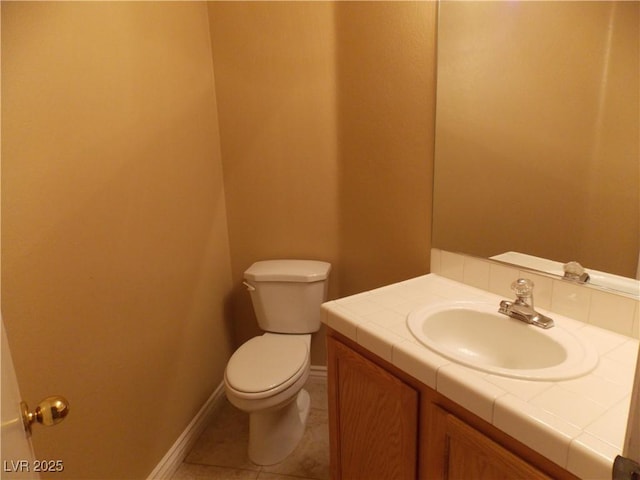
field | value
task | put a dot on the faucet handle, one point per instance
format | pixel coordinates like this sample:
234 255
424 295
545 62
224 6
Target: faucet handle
575 272
523 287
573 269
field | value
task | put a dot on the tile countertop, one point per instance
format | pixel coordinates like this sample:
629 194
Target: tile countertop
579 424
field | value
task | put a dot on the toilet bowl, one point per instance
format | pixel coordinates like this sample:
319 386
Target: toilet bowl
270 390
265 376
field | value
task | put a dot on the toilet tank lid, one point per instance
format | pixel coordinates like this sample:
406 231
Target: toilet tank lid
288 271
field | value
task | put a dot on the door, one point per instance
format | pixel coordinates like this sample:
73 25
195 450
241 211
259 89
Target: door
460 452
373 416
18 459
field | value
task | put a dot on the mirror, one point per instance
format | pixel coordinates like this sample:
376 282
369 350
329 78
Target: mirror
537 131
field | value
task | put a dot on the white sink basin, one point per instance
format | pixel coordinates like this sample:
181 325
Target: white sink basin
476 335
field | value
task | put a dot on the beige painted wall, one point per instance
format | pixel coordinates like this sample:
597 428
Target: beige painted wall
119 282
115 257
549 122
275 84
386 70
326 120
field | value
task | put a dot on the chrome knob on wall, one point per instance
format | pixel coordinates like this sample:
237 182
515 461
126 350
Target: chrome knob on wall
50 411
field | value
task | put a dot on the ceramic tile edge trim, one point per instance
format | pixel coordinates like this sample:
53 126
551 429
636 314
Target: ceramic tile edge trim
609 310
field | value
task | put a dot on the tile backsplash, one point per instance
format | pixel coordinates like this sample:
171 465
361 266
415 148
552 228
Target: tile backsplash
612 311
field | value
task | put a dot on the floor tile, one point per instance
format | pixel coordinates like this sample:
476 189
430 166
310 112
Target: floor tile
189 471
310 459
224 442
221 450
277 476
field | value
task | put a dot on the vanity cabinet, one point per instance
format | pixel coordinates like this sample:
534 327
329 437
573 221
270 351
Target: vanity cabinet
384 424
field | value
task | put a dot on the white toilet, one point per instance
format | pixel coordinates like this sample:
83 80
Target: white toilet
264 377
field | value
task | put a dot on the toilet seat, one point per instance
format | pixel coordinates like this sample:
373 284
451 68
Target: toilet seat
267 365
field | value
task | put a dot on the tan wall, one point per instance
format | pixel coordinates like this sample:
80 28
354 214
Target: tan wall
538 131
386 106
275 84
326 113
118 282
115 258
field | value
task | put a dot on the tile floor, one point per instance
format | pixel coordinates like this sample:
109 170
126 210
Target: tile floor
221 451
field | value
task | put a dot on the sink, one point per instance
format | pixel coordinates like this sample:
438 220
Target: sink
476 335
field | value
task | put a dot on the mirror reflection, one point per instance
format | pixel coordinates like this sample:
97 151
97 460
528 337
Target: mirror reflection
537 132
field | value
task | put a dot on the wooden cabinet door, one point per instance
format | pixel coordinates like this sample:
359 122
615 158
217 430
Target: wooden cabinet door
373 419
462 452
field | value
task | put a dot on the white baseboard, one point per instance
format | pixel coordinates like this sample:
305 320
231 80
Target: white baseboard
318 371
179 450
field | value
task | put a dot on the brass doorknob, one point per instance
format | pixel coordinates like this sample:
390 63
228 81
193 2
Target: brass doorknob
50 411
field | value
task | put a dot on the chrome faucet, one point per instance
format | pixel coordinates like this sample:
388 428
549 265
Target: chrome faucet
522 308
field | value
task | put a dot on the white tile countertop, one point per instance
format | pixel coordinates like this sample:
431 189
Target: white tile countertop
579 424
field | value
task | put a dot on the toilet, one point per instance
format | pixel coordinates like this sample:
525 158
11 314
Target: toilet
265 376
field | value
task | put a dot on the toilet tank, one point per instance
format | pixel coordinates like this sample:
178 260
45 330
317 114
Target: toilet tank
287 294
